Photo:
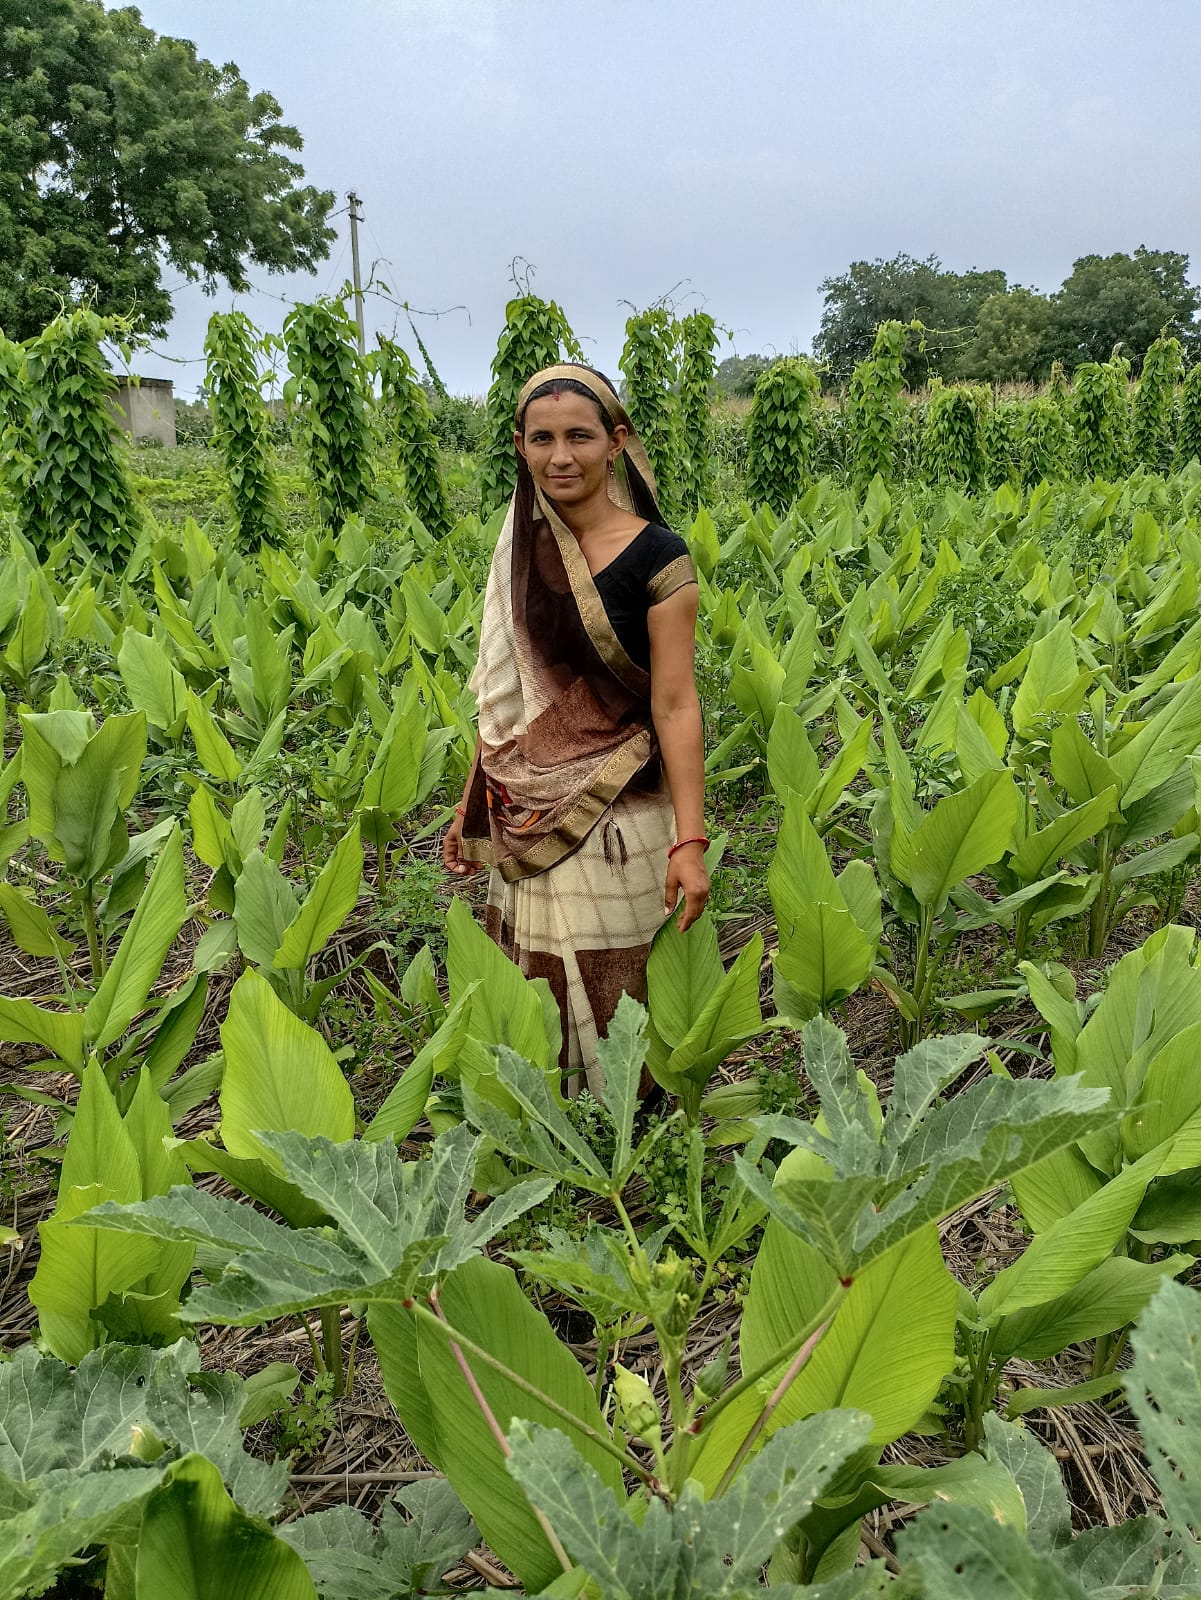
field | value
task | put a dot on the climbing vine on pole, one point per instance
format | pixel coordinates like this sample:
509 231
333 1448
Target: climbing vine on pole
240 429
1002 442
782 434
698 334
331 396
874 407
83 482
1101 418
1048 445
951 443
408 418
1188 435
649 366
830 456
535 335
1154 407
16 443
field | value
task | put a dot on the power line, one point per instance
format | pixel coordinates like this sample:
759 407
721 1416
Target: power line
284 299
415 311
176 361
337 266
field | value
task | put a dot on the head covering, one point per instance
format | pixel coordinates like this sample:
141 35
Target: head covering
632 486
564 713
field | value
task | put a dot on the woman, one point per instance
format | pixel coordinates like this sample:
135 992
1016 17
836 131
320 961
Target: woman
587 791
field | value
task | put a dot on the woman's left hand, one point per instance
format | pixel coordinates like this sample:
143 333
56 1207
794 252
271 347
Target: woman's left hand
686 875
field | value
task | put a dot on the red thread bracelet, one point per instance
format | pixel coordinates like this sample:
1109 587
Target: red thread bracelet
698 838
459 811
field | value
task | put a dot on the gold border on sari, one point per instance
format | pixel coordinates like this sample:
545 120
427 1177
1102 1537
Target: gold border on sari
677 574
591 607
571 831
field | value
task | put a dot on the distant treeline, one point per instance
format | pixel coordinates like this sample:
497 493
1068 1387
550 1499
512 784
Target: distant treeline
978 327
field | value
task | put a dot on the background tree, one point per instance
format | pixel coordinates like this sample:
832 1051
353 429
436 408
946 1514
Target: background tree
1010 341
126 154
740 374
902 290
1124 299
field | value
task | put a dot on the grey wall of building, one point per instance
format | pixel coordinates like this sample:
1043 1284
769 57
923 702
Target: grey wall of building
146 409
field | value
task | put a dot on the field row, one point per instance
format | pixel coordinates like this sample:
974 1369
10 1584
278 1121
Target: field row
948 715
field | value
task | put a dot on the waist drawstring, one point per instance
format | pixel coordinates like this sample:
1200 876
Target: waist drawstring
613 843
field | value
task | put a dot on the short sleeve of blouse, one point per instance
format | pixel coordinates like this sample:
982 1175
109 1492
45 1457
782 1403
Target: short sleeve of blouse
670 567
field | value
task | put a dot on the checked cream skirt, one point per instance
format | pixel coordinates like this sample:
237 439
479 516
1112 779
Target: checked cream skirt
586 924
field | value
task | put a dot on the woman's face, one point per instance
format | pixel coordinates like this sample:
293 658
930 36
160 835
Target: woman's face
567 448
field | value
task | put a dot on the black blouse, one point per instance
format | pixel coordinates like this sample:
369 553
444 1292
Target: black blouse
626 586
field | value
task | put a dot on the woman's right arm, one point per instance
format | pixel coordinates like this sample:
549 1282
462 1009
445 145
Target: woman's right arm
453 858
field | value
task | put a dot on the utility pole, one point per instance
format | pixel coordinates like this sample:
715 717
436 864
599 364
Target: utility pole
355 219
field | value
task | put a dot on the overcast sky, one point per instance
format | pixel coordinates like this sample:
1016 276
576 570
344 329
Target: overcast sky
740 149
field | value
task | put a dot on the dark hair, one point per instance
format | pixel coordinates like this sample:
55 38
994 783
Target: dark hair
557 386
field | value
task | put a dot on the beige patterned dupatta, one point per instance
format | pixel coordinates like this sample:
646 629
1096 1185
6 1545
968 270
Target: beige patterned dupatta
564 714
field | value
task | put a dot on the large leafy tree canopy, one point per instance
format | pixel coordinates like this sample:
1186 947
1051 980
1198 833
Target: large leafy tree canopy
904 290
1011 343
124 155
1124 299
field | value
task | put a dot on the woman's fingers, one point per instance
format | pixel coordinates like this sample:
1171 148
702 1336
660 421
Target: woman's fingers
671 891
452 854
694 908
695 890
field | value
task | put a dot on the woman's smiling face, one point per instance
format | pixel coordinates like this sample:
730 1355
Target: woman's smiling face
567 447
